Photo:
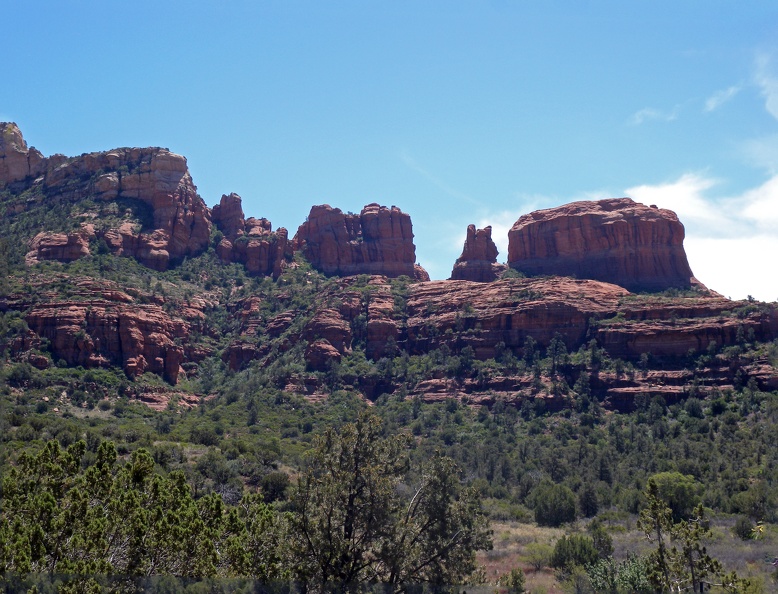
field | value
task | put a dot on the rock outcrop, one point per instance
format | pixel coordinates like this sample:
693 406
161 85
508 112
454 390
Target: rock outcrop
379 240
63 247
17 162
99 325
251 241
143 202
478 261
615 240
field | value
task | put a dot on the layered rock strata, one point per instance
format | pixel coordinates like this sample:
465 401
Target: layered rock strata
98 325
616 240
158 216
379 240
478 261
251 241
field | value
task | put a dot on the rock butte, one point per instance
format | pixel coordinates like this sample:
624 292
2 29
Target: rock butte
615 240
250 242
378 240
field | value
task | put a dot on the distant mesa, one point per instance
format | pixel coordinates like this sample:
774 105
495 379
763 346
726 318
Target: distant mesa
478 261
379 240
616 240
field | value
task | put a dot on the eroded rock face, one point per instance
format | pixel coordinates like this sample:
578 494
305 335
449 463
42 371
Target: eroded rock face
478 261
251 241
615 240
17 162
63 247
160 216
379 240
101 325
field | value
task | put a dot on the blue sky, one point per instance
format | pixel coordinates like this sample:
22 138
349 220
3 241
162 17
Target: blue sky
457 112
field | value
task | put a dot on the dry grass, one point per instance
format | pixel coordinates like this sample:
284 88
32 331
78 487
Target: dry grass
748 558
510 540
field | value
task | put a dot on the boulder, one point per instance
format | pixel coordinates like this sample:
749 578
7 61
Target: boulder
615 240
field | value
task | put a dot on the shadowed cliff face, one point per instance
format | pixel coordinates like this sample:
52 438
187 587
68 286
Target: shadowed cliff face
615 240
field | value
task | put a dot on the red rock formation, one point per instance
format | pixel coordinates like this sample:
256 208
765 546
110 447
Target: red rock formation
178 224
99 325
250 242
329 325
615 240
478 261
140 338
64 247
461 313
377 241
17 162
319 354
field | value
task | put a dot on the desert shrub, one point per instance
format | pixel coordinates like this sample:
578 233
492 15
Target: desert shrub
554 505
575 549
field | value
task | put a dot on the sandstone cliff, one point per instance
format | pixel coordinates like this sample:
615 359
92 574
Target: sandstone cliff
379 240
251 241
17 162
478 261
140 201
615 240
98 324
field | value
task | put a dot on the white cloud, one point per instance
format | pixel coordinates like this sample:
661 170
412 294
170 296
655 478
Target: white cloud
651 114
686 197
735 267
768 84
728 239
719 98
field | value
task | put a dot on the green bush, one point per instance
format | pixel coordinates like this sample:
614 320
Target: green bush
572 550
554 505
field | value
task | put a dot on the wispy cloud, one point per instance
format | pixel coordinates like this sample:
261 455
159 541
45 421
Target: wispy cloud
767 83
721 97
436 181
648 114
